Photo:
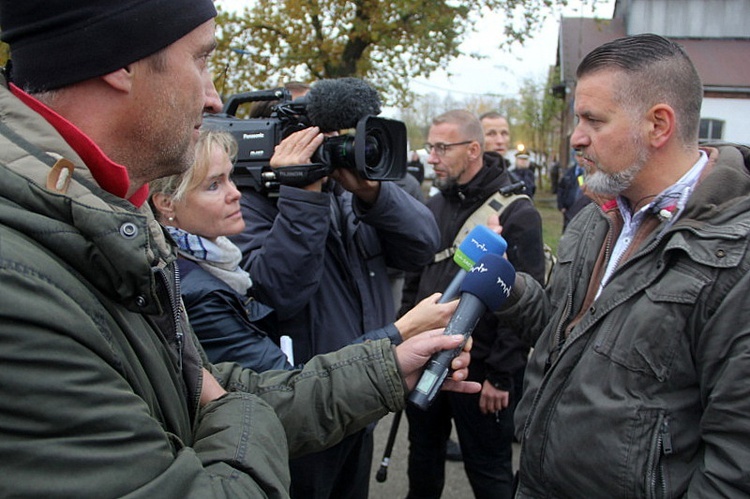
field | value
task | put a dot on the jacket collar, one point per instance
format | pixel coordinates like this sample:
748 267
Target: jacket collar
119 242
111 176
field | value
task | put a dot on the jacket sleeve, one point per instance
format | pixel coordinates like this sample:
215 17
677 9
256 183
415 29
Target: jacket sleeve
528 308
722 358
96 417
389 332
283 246
522 228
407 229
349 389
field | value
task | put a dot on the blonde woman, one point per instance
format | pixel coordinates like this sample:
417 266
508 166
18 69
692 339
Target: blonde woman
200 208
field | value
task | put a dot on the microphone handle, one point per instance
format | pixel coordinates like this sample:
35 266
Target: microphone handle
451 291
464 320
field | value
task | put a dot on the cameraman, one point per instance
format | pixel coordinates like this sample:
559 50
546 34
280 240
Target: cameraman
319 256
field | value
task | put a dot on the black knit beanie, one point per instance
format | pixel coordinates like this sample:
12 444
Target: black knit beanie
54 43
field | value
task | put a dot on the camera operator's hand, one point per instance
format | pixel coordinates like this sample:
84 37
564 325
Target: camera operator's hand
297 149
413 354
366 190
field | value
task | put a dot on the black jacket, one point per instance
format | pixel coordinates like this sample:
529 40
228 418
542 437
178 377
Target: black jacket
497 352
220 319
321 259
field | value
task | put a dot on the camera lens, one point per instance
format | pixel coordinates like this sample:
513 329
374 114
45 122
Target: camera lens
373 154
377 151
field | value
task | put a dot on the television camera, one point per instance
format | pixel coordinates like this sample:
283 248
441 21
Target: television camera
376 149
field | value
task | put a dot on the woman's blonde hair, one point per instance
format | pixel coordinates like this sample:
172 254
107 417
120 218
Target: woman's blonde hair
177 186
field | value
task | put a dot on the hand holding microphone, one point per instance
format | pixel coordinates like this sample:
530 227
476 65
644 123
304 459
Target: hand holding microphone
485 287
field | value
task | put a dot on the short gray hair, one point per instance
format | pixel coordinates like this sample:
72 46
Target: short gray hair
468 124
656 70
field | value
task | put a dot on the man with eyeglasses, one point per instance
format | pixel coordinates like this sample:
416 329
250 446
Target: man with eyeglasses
466 177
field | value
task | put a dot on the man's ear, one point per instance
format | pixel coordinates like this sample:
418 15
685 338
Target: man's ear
661 120
164 206
121 80
475 150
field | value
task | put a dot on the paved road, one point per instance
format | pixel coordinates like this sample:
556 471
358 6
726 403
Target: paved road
396 484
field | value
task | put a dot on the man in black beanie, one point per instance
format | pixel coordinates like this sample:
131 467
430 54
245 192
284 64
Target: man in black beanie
104 391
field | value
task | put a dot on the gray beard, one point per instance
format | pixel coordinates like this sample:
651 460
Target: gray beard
612 185
449 181
444 183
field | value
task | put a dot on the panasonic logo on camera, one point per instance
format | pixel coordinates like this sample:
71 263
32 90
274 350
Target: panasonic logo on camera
247 136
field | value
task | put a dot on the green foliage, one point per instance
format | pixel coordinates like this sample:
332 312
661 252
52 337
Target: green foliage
387 42
552 219
4 53
539 120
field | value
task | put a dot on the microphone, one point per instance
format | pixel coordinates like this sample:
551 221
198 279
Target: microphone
485 287
477 243
340 103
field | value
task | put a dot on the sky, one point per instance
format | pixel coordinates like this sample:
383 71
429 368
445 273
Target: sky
502 71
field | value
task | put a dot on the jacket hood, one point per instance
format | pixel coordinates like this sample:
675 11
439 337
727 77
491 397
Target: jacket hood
101 236
726 186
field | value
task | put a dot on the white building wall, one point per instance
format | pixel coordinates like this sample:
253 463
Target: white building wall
689 18
734 112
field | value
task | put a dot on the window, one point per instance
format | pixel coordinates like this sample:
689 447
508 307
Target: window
711 129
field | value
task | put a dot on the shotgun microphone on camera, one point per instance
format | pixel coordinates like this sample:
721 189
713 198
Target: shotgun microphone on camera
338 104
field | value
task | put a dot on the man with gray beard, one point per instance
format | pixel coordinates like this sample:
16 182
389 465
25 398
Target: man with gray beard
637 384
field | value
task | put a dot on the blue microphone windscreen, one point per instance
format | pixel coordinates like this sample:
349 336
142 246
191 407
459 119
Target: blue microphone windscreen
490 280
479 242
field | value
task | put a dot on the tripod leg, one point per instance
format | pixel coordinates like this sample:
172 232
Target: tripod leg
382 473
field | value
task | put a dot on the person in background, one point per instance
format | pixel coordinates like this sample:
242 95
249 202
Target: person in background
496 141
319 256
200 208
570 193
496 135
467 177
525 173
415 167
554 175
104 390
637 384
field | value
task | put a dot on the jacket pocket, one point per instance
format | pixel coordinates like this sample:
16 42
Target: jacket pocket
647 332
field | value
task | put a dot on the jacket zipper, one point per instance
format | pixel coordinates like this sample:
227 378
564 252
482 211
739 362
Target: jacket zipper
554 353
663 446
174 304
552 358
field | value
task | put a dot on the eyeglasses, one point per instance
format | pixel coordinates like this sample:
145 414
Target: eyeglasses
440 148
